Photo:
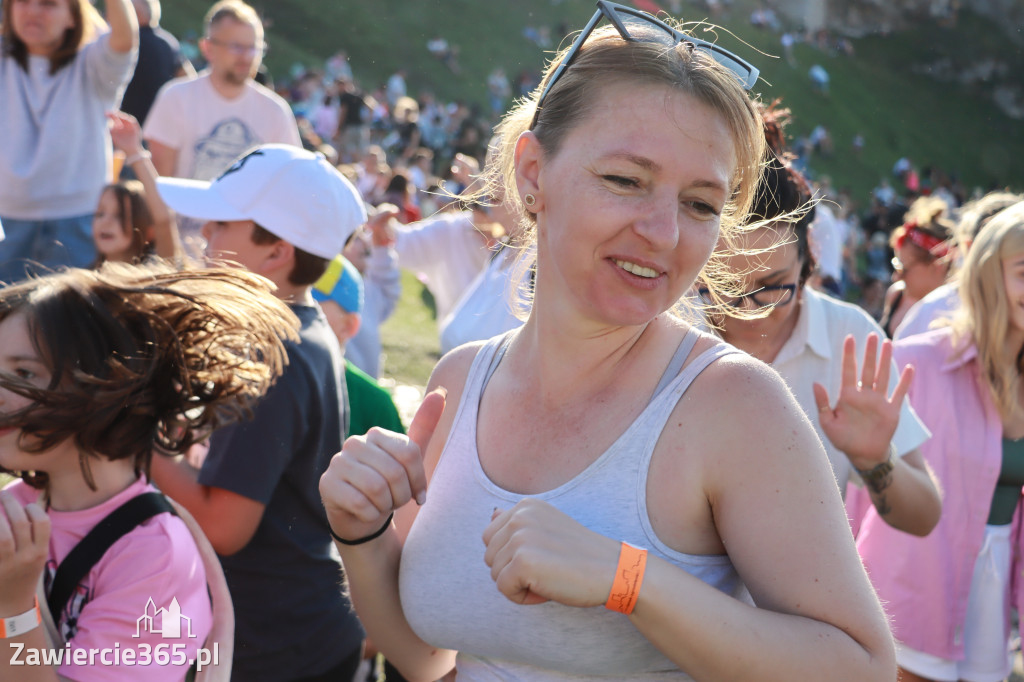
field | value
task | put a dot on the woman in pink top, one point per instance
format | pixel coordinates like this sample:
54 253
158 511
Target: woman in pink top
949 594
98 369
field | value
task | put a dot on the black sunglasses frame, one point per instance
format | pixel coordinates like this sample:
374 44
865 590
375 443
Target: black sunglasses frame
737 302
744 71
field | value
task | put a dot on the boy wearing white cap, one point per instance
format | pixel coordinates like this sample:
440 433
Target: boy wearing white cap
283 213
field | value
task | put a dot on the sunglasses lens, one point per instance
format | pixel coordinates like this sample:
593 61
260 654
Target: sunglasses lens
646 28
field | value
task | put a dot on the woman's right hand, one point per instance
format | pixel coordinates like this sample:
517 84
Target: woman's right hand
375 474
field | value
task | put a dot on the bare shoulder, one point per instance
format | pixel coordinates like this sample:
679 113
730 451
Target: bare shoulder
738 383
743 418
450 373
771 498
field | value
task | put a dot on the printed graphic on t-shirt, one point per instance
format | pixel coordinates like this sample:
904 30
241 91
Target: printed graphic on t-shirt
228 140
79 598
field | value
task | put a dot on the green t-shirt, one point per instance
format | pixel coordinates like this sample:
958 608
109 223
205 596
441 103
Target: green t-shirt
1011 477
369 404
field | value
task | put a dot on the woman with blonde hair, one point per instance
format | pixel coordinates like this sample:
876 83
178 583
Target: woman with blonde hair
586 506
57 81
949 594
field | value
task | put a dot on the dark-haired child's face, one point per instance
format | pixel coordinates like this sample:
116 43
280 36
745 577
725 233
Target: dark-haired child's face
19 358
231 243
109 235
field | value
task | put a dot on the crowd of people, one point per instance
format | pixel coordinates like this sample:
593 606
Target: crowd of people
631 274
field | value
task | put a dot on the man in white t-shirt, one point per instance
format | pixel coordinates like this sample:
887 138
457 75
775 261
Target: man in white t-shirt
198 127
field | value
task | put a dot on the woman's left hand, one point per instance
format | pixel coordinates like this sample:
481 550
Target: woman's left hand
865 417
24 546
537 554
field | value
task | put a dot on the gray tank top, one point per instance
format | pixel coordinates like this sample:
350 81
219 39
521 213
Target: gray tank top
446 589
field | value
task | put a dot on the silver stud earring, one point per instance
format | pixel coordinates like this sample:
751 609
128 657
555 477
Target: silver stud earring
529 200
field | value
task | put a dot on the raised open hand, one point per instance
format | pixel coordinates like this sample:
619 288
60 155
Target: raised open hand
125 132
864 418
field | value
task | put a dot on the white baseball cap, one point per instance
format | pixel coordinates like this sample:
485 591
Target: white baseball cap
292 193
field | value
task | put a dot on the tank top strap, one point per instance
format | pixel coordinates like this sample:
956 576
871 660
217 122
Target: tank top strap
664 402
496 347
480 371
678 358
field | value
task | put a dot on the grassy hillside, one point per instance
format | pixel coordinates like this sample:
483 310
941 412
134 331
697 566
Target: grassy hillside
880 93
877 93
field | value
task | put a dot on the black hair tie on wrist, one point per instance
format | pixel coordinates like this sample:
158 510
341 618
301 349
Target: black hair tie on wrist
367 538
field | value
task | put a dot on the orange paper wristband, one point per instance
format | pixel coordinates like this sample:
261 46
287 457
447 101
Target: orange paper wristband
629 576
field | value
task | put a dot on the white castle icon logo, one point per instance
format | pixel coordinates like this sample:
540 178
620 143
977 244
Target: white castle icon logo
169 621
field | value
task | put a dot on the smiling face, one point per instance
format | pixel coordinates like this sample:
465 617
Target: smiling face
780 264
628 208
108 229
1013 280
41 24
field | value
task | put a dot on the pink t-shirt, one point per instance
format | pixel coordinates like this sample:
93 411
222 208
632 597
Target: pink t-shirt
158 561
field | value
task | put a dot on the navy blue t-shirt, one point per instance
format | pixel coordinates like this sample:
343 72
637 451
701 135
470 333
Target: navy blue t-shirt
159 60
291 619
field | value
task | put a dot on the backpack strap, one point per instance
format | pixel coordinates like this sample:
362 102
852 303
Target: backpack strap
94 545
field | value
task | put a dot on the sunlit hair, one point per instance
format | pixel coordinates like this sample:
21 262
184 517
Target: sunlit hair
235 10
135 218
144 357
85 20
974 215
604 60
985 310
782 203
929 217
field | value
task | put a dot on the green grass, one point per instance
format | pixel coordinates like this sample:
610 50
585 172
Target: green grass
877 94
409 337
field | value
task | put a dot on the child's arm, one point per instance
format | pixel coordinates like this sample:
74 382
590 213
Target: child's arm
24 542
127 136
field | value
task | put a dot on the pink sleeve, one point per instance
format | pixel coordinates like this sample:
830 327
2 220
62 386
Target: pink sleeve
149 601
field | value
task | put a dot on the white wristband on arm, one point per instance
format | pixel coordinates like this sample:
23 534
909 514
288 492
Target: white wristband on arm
139 156
20 624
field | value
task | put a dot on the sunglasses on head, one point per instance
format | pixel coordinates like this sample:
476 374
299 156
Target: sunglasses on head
637 26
